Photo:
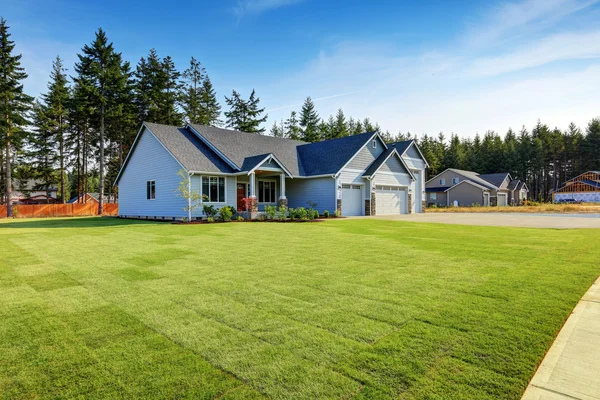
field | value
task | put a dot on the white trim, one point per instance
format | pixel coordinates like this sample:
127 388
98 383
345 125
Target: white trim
418 149
212 147
270 157
274 181
134 146
362 147
147 194
224 189
470 183
394 151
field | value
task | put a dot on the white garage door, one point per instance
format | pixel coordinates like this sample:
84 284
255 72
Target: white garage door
502 200
352 200
390 200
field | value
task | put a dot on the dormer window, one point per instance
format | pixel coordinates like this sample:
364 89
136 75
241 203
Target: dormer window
374 144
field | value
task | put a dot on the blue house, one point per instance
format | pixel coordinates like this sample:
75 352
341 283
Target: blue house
357 175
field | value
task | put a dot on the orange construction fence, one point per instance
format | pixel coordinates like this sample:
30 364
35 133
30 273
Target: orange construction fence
59 210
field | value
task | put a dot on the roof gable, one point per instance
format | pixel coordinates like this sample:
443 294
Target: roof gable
496 179
383 159
410 148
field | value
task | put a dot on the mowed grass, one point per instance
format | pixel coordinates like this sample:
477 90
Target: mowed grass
102 308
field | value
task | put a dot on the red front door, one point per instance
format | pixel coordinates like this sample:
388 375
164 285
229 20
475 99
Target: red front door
241 193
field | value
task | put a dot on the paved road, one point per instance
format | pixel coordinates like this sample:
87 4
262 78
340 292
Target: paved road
556 221
571 368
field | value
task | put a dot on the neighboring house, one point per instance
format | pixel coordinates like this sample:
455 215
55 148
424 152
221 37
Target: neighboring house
467 188
91 197
33 192
357 175
584 187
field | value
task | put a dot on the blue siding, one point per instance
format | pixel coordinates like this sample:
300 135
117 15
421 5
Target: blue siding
393 164
413 153
230 193
318 190
150 161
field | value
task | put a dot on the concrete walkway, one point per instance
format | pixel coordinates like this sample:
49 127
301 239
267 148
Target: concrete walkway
571 369
553 221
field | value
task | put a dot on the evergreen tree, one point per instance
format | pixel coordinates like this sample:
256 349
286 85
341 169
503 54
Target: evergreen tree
193 78
42 152
56 112
245 115
14 107
100 76
209 105
169 96
340 128
292 127
591 146
309 121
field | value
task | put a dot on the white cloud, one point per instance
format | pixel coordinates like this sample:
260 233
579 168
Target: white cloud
245 7
560 47
511 20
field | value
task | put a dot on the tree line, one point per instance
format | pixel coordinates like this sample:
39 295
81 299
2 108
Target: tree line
77 134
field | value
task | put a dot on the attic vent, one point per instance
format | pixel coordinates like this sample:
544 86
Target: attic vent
374 144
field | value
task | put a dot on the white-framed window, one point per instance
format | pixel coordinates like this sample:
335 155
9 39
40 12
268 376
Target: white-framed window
432 196
442 181
266 191
374 144
455 181
150 190
213 187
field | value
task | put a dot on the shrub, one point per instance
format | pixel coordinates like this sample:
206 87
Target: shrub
261 217
210 219
310 214
316 214
326 214
240 218
302 213
210 211
225 213
338 213
270 212
250 204
292 213
282 213
432 206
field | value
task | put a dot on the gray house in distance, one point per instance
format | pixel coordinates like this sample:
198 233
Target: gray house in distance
467 188
357 175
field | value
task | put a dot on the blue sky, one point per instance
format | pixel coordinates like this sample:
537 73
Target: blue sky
452 66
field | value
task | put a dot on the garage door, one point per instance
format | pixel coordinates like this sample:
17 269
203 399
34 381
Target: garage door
502 200
352 200
390 200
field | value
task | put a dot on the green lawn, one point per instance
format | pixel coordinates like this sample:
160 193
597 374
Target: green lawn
103 308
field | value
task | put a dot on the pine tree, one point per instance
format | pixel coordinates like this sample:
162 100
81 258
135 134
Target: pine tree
244 115
591 146
292 127
56 104
209 105
193 78
100 76
42 153
309 121
340 128
169 115
14 106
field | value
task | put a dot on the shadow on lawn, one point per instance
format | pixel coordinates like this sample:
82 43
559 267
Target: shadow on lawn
84 222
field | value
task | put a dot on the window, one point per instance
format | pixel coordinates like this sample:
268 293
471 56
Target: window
455 181
432 196
213 188
442 181
266 191
150 190
374 144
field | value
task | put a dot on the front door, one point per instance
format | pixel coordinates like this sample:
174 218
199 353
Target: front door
241 194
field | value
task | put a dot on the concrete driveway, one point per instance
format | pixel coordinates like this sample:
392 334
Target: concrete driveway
526 220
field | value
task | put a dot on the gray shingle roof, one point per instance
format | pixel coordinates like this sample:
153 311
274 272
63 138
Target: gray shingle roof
401 146
237 146
190 151
495 179
329 156
474 177
513 184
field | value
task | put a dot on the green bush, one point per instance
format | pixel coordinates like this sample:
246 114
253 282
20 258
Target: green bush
338 213
210 211
302 213
225 213
270 212
240 218
210 219
326 214
282 213
292 213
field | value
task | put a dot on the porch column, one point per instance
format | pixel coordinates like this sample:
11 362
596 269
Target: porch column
282 186
252 185
282 202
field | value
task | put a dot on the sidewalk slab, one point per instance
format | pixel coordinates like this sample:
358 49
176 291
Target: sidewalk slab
571 368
